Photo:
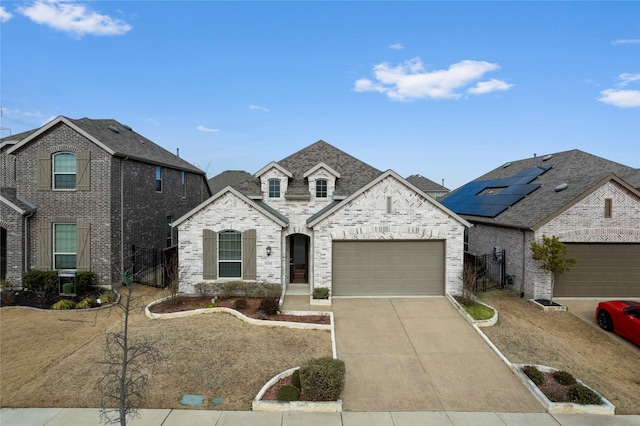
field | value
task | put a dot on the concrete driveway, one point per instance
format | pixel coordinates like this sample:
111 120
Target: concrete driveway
420 354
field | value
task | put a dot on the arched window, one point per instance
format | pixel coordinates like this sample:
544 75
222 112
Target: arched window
230 254
321 188
64 170
274 188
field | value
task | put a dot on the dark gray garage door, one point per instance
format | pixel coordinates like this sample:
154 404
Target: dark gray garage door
388 268
601 270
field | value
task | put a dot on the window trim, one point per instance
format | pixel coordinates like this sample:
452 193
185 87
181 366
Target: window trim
239 259
54 173
608 208
158 178
274 192
184 184
64 253
320 191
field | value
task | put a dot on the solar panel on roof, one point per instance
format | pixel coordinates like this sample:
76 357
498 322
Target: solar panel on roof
477 198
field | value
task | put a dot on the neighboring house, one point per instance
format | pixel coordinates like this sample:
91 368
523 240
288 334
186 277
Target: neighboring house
590 203
74 193
323 218
428 186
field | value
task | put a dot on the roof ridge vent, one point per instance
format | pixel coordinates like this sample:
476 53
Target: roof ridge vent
113 128
547 157
506 165
561 187
127 127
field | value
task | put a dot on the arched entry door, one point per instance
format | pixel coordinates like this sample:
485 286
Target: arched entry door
298 258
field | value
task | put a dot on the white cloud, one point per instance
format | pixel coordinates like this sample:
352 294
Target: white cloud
397 46
258 108
623 98
73 18
4 15
410 80
492 85
206 129
626 41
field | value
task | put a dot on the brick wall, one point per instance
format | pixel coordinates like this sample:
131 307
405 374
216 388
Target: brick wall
12 221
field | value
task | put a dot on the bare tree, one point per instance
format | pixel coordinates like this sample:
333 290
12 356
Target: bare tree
128 364
175 274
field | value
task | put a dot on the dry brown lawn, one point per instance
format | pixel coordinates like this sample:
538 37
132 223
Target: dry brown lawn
49 359
525 334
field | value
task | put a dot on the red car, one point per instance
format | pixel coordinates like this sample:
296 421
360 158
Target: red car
621 317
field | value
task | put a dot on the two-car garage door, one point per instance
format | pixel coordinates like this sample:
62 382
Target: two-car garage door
388 268
601 270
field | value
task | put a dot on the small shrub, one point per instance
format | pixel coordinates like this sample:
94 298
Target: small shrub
63 305
5 285
84 281
107 297
322 379
269 306
204 288
534 374
288 393
239 304
86 303
321 293
295 378
580 394
210 305
229 288
564 378
40 281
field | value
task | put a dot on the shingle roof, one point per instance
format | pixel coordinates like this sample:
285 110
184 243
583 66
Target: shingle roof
426 185
127 143
578 169
354 174
228 178
10 195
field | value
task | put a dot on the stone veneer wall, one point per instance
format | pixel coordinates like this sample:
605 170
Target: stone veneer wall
411 217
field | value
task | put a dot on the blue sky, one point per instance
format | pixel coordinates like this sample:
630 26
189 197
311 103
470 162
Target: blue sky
448 90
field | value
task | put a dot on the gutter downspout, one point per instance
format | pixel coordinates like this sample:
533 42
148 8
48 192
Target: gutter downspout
524 260
122 214
26 241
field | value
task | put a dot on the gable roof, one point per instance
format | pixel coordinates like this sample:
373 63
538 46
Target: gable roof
331 208
115 138
354 174
426 185
580 171
9 197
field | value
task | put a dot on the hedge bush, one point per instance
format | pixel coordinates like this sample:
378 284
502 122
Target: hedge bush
321 293
322 379
269 306
84 281
40 281
564 378
580 394
534 374
288 393
295 378
229 289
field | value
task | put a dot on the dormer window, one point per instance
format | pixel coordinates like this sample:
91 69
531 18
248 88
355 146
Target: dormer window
321 188
274 188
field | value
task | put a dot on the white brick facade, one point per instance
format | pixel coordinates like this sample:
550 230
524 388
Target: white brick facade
388 209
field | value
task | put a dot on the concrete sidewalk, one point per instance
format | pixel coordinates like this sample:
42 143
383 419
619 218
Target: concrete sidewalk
91 417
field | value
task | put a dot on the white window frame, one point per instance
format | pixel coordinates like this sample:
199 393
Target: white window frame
158 178
270 191
184 184
320 191
63 253
219 251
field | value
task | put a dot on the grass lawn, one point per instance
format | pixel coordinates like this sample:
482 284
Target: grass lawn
49 359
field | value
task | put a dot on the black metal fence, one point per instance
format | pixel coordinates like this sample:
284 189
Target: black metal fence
149 265
490 270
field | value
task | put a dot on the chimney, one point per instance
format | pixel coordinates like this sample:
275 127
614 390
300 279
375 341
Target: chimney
178 152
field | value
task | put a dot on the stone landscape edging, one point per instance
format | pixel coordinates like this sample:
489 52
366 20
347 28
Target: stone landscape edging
298 406
239 315
479 323
563 407
545 308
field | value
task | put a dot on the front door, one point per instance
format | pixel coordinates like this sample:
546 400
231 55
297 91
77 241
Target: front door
299 256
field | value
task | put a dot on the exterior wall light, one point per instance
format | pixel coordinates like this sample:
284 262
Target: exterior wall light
268 250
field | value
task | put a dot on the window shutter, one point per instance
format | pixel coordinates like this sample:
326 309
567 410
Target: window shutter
249 254
83 236
209 255
83 171
43 174
44 246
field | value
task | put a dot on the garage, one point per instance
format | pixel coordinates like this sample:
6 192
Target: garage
388 268
601 270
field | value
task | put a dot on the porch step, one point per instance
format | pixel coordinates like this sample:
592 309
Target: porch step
297 289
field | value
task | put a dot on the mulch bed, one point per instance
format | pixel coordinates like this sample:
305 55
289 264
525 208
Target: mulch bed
33 300
187 303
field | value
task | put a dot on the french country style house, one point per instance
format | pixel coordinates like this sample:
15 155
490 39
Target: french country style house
321 218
